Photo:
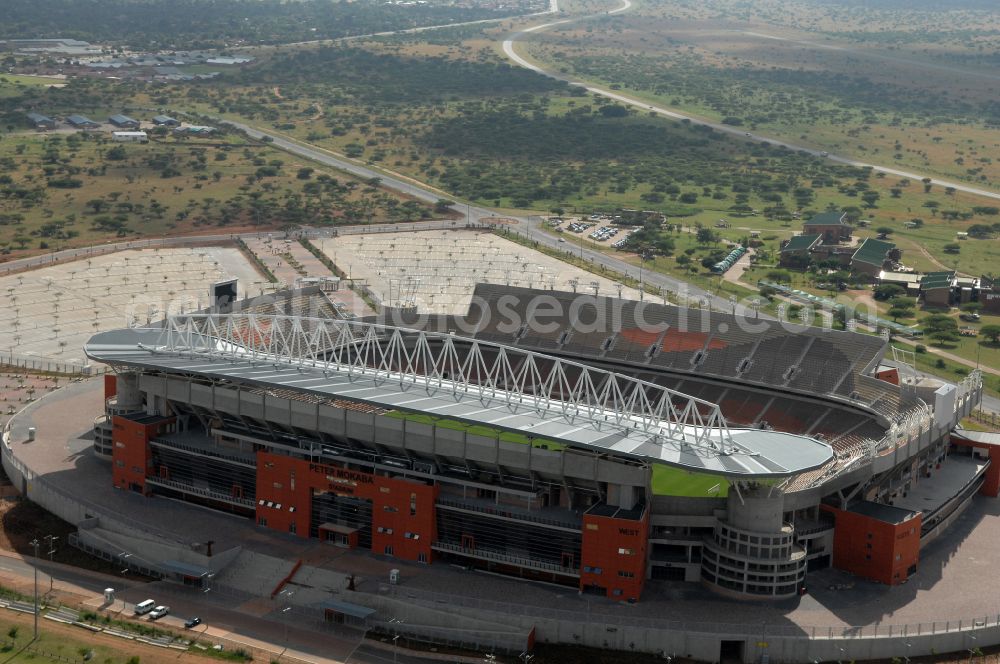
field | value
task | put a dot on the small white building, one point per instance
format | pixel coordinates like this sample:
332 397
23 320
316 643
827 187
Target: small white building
129 136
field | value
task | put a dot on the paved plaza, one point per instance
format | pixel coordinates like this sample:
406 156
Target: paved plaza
290 262
438 269
50 312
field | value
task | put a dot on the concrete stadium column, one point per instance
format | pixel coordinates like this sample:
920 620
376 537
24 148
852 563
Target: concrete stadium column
128 394
622 495
755 510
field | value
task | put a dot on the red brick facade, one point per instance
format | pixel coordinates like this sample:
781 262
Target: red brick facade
874 549
130 456
403 518
614 553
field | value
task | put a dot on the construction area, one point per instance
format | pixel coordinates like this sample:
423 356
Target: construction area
52 311
437 270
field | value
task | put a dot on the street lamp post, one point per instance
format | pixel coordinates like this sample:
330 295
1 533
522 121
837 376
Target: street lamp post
396 622
34 543
285 621
51 539
122 558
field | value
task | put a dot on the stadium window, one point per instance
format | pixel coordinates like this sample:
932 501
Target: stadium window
421 557
592 526
388 549
293 528
384 489
626 574
262 521
626 552
617 592
278 485
389 508
413 504
119 463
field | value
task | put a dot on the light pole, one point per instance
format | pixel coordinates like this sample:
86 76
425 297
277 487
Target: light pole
285 621
395 639
34 543
122 558
51 539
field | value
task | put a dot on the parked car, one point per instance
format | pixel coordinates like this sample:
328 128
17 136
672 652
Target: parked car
192 622
159 612
144 607
970 317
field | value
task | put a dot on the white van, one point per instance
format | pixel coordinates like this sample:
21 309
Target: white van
144 607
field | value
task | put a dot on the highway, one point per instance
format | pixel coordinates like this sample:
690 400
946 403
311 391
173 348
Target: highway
511 53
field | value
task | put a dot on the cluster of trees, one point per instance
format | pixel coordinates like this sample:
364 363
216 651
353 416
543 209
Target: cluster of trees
748 95
185 24
354 75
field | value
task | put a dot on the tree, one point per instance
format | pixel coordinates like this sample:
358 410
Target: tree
980 231
779 276
442 205
902 303
888 291
706 236
991 332
98 205
952 248
900 312
972 307
942 337
884 230
941 328
304 173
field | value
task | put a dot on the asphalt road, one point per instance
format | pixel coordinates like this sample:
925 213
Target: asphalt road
508 49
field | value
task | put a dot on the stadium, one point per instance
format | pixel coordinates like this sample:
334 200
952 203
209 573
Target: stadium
567 438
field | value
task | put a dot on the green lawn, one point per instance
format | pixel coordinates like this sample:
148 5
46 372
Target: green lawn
671 481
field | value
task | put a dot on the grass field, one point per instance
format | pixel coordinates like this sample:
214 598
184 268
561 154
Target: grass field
838 86
60 190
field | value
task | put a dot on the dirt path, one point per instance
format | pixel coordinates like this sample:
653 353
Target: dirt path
926 254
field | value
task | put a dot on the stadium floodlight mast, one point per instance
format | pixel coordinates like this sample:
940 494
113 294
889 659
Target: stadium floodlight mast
460 368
